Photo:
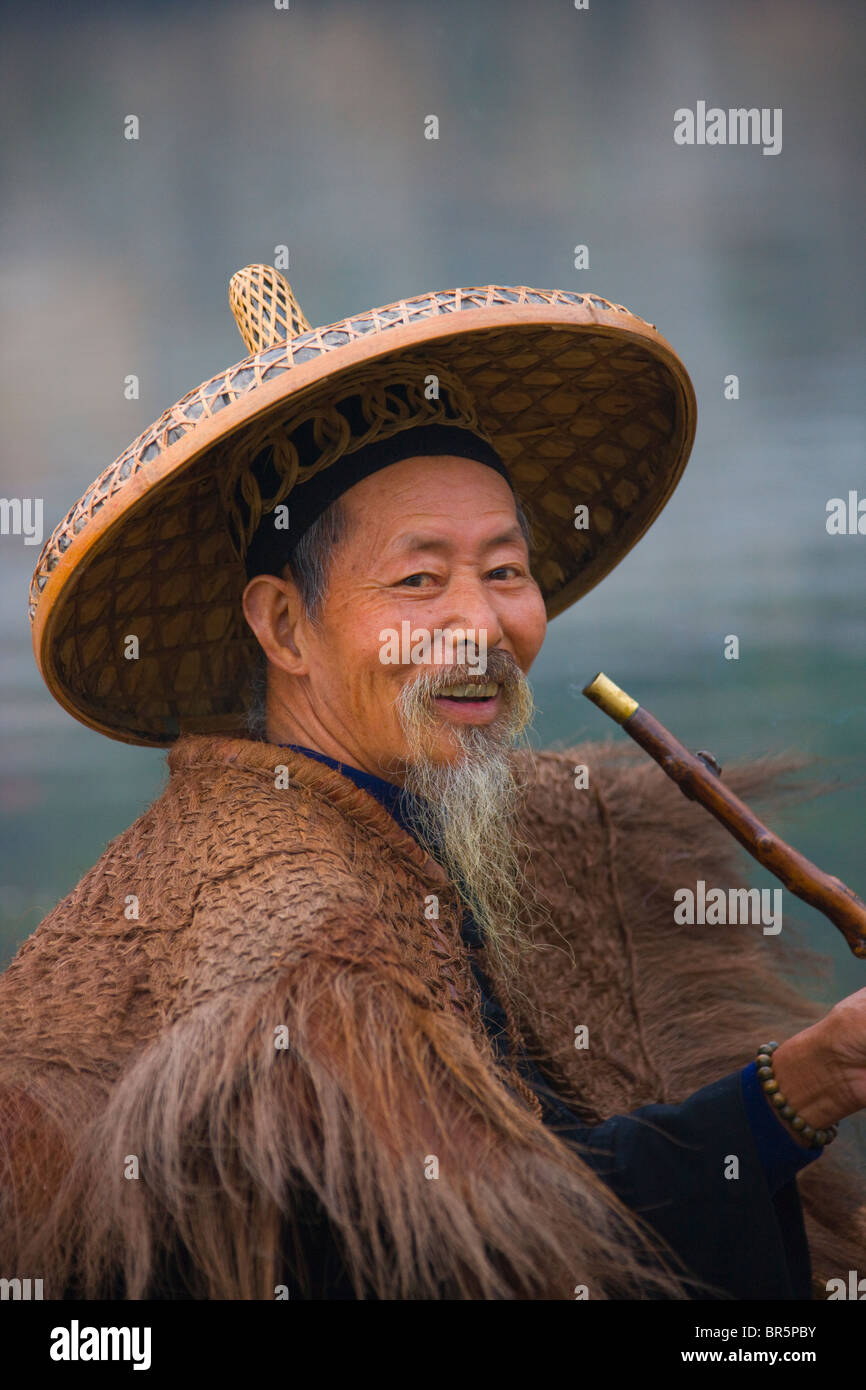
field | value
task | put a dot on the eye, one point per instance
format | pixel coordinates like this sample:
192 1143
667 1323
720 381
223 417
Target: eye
409 580
502 570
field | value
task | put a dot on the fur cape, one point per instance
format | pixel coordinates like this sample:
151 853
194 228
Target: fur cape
260 992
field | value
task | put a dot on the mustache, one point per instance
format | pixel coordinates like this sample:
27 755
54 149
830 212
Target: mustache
420 716
501 669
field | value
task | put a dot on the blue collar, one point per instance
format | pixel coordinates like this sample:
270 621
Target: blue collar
391 796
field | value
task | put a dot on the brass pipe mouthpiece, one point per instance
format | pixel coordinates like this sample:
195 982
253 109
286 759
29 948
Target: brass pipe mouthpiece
610 698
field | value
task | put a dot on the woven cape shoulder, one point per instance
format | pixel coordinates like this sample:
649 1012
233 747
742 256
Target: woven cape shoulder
264 907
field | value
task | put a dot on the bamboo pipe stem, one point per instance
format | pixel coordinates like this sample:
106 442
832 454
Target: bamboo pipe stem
698 782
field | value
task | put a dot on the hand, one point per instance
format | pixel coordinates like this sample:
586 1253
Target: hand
846 1037
822 1071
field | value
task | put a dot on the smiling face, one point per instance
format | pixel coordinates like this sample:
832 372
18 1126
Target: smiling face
432 542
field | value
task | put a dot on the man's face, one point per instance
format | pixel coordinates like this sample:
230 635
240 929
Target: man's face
434 542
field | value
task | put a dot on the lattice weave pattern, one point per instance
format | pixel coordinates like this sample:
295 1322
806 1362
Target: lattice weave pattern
265 308
385 411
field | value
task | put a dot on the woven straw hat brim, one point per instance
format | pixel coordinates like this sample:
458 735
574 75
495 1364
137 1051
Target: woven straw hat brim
585 402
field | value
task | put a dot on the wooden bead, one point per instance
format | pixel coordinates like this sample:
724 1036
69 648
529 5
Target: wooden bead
818 1138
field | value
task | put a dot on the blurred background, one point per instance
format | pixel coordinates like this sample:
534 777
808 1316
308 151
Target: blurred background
305 127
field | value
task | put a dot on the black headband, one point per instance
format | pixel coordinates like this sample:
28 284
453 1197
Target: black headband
271 548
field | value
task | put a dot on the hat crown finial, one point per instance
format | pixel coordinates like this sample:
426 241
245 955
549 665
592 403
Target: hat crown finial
265 308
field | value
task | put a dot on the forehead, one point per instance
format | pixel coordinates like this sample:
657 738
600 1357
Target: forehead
443 489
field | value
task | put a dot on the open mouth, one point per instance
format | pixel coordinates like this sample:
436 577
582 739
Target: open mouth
477 693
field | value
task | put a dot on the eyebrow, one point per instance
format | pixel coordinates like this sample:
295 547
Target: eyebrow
413 541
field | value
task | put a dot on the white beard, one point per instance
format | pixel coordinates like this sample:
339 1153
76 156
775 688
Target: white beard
465 813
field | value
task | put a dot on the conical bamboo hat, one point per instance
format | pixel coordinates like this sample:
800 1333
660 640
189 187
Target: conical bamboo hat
135 603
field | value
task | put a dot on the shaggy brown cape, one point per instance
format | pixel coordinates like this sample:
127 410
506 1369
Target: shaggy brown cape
306 907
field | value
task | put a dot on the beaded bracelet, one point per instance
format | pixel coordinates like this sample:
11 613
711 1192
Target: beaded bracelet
817 1138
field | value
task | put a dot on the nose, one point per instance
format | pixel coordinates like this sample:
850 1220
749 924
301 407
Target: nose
469 605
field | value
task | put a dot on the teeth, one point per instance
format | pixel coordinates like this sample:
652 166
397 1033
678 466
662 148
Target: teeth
480 692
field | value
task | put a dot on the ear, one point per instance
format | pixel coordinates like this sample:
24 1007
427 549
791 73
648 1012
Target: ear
274 610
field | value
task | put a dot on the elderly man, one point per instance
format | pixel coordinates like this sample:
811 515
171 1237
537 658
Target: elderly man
373 1003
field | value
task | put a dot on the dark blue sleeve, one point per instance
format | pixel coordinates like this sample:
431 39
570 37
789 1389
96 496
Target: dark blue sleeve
736 1226
696 1174
780 1154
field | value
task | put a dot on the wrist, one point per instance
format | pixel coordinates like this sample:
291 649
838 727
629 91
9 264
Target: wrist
806 1074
